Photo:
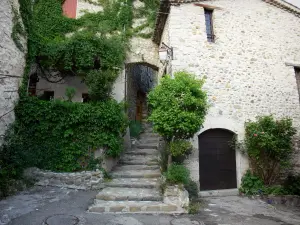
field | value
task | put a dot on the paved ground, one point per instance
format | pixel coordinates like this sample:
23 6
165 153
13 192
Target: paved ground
55 206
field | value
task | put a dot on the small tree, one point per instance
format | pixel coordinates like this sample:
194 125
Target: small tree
269 145
179 107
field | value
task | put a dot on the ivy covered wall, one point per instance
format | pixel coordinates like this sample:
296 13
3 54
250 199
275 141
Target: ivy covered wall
61 135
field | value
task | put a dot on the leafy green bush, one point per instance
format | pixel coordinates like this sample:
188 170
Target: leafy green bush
177 174
192 189
269 145
70 93
178 106
251 184
180 147
61 136
194 207
135 128
292 185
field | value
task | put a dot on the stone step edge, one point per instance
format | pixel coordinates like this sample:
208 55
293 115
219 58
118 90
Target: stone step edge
147 209
150 175
133 185
129 198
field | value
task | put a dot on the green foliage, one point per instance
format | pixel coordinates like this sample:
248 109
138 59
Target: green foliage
149 11
100 84
268 143
292 185
251 184
178 106
135 128
177 174
18 31
194 207
192 189
70 93
180 147
61 136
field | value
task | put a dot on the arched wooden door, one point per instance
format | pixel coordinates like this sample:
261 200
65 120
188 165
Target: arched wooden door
217 162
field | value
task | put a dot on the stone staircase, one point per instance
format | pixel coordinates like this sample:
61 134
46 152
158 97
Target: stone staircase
135 184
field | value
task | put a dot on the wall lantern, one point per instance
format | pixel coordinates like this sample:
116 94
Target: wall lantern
165 53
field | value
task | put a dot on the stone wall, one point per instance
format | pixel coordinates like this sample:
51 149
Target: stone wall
246 69
85 180
12 63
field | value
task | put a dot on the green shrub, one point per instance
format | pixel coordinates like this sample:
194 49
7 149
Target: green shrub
251 184
177 174
194 207
192 189
178 106
292 185
60 135
70 93
180 147
135 128
269 145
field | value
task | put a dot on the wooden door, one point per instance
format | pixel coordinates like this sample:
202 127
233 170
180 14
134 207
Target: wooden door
217 161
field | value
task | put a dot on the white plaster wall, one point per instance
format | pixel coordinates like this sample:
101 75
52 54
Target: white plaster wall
12 63
245 68
83 6
60 88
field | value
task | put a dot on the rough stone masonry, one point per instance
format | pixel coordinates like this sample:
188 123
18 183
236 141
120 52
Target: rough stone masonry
12 63
249 69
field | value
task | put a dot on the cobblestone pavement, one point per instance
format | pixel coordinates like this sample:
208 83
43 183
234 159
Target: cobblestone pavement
55 206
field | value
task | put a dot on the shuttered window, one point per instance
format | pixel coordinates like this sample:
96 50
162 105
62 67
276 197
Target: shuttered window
297 71
209 25
69 8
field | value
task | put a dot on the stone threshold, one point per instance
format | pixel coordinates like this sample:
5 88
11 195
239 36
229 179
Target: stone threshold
218 193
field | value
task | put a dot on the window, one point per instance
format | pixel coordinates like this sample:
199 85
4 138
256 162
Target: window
209 25
297 71
47 96
85 97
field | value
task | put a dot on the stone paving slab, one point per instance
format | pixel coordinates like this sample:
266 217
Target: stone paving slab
132 207
136 174
130 194
133 182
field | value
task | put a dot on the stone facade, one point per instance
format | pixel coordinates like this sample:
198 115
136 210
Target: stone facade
12 63
85 180
247 69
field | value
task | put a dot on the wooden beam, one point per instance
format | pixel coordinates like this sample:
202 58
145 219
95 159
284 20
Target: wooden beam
207 6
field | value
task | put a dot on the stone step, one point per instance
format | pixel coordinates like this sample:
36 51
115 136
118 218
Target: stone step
129 194
148 135
137 167
133 182
149 140
143 152
147 146
132 207
136 174
139 160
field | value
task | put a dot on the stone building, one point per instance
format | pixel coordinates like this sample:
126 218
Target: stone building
248 51
12 62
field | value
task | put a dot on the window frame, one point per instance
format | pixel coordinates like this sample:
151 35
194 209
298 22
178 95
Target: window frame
209 26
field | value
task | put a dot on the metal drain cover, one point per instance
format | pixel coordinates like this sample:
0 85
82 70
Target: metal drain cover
61 219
